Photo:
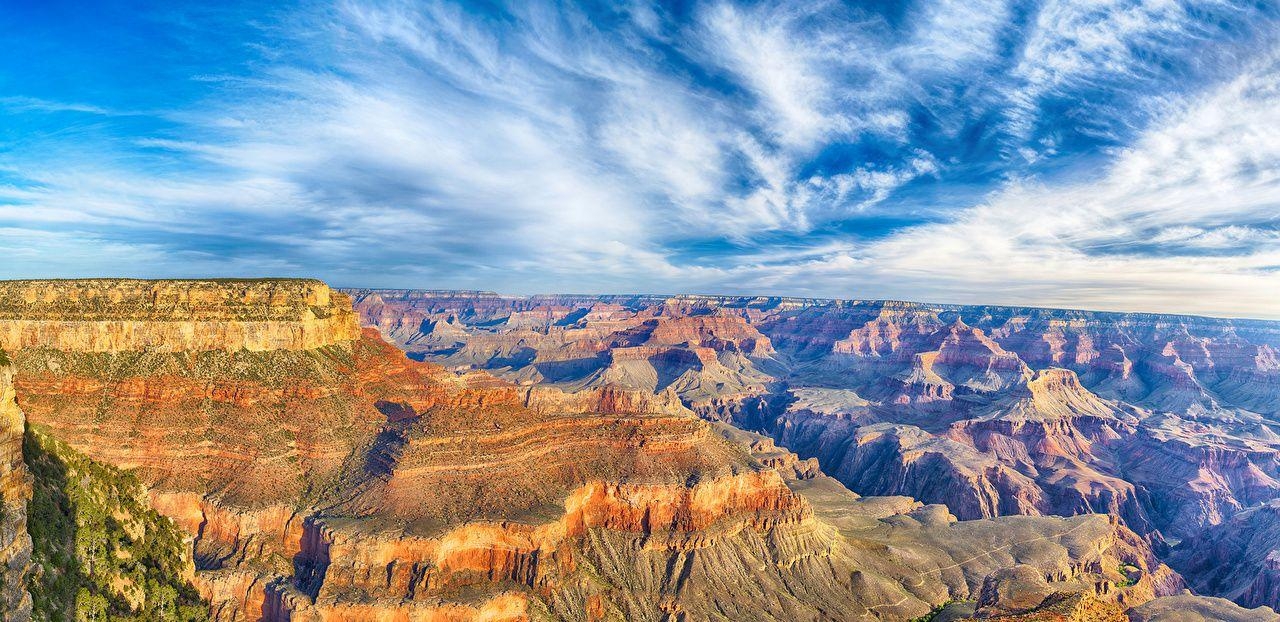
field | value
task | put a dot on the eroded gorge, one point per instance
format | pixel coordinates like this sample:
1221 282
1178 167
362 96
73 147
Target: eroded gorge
650 458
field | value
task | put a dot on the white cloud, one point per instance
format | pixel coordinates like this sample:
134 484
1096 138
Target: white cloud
950 34
1231 237
35 104
1198 178
423 143
1083 41
783 69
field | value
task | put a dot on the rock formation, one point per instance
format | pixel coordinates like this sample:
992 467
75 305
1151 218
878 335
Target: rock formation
15 491
1163 421
1239 559
322 475
123 315
1188 608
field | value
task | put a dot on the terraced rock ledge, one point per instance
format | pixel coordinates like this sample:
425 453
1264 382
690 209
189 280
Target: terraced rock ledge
322 475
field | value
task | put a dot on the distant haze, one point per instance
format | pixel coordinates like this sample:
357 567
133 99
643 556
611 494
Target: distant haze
1099 155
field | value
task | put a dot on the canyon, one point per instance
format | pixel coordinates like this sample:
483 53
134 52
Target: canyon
470 456
1167 423
15 492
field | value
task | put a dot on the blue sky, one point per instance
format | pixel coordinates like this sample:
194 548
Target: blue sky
1083 153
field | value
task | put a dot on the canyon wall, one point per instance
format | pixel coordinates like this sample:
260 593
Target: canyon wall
126 315
15 491
1167 422
323 475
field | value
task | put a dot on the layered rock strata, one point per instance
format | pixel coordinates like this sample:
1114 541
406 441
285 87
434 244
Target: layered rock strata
334 479
15 492
1189 608
126 315
1164 421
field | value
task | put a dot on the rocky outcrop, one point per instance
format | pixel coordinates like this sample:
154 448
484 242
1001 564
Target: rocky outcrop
886 459
1012 590
343 481
606 399
885 335
1066 607
15 491
1264 590
1190 608
717 332
1021 593
125 315
1238 559
1163 421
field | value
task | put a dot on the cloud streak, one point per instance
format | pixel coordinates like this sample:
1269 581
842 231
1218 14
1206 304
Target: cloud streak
1110 155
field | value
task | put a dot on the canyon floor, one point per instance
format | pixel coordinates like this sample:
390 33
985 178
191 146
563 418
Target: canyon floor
279 450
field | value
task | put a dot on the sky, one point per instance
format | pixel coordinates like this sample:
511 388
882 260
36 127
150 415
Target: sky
1097 154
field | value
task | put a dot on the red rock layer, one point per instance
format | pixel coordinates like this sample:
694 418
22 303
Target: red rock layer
346 482
15 492
415 570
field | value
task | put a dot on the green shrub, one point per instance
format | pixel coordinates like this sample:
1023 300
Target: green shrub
91 532
1127 581
933 613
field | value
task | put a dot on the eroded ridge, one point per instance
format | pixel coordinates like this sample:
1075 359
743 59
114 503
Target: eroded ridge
346 481
15 493
128 315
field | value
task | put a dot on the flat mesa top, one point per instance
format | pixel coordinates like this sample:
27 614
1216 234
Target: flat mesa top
765 303
159 300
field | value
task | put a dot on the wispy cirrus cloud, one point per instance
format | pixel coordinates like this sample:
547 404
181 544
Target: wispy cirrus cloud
1205 178
1115 155
20 104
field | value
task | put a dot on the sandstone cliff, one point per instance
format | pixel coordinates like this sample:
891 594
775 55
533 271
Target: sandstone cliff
1164 421
124 315
1249 544
15 491
332 478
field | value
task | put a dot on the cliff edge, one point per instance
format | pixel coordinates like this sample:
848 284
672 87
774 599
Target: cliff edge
15 491
128 315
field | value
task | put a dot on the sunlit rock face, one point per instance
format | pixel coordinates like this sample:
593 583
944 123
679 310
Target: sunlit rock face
15 492
1188 608
323 475
125 315
1166 422
688 346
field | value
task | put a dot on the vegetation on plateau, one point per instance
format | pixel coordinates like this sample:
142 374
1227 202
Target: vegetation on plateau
1127 571
933 613
99 553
